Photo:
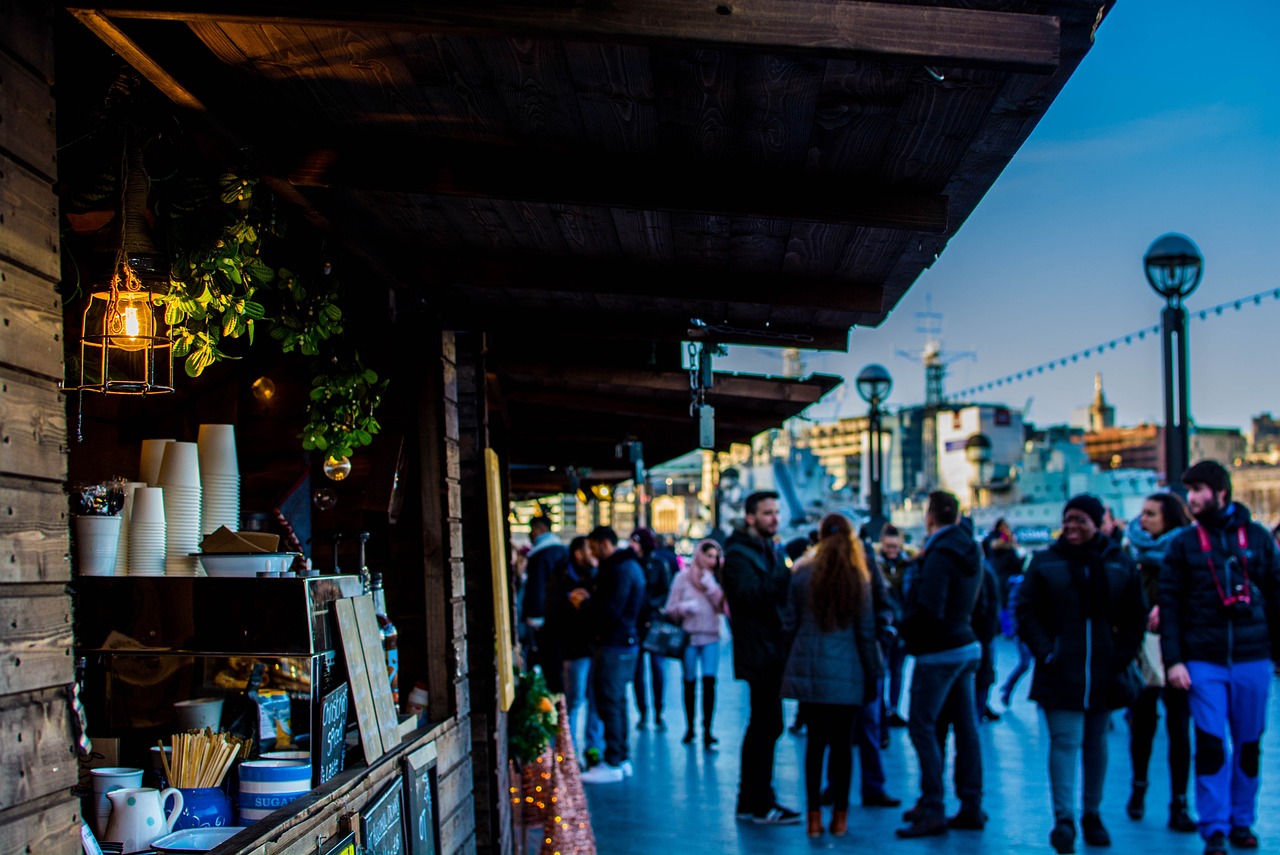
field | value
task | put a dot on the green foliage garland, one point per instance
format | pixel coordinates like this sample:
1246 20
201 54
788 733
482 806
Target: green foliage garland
531 723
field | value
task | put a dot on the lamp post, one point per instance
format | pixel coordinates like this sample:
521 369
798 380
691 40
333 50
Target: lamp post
873 385
1174 266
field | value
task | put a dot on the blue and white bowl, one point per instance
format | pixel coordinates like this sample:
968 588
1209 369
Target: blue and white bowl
268 785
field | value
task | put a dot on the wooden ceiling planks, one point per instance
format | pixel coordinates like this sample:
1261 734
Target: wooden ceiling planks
855 112
614 90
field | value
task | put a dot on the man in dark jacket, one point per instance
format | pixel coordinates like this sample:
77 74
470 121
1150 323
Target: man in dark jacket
570 633
756 579
1219 626
546 556
937 629
657 585
614 608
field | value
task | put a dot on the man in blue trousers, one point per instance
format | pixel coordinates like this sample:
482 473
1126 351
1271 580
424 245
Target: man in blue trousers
1219 627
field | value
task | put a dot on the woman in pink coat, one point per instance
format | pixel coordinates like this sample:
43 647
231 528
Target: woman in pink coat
696 602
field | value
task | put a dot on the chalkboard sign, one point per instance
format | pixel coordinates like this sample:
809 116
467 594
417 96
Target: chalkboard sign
329 736
420 796
346 845
382 822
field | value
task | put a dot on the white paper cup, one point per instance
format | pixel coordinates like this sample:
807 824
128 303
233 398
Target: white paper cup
97 541
218 449
180 466
199 713
152 455
108 779
148 506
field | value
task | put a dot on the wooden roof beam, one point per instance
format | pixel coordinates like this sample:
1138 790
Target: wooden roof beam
726 385
402 164
688 283
924 34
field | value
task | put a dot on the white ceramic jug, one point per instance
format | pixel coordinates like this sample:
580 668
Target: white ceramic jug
137 816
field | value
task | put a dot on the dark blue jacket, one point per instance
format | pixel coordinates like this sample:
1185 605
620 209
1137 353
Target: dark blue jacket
941 592
756 578
1194 624
615 605
1082 613
569 630
543 563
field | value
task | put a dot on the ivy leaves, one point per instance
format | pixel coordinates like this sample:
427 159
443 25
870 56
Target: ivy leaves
340 407
314 317
212 283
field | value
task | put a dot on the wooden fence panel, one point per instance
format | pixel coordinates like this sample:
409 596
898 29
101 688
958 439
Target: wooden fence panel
33 426
48 826
35 647
33 533
35 729
30 322
28 219
26 107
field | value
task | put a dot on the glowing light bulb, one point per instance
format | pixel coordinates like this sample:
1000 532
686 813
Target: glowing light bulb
130 322
263 389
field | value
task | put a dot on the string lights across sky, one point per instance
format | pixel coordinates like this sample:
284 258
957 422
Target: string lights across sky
1100 349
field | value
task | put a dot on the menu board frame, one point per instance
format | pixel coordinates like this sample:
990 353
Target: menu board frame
376 816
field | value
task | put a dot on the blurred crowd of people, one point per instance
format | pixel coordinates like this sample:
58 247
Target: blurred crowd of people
1180 608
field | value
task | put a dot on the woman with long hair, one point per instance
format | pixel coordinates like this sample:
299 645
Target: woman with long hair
1148 538
833 662
696 602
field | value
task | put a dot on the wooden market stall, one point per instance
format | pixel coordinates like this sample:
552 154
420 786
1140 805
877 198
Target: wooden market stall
537 207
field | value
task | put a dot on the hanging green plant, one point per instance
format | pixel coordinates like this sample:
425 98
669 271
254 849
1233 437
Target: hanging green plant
340 409
214 275
308 317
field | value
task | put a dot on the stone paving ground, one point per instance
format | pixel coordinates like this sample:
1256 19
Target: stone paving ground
681 798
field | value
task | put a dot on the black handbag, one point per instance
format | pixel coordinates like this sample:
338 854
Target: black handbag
666 639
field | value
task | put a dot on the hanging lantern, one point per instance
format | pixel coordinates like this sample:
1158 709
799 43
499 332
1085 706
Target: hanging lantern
124 346
124 343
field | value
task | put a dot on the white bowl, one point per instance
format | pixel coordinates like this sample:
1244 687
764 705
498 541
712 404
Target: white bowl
244 564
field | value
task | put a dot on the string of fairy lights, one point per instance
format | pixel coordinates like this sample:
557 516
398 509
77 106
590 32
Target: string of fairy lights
1128 339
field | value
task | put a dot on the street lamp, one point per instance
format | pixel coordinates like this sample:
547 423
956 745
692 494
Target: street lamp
1174 266
873 385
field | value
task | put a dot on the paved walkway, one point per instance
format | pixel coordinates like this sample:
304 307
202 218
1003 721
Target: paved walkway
681 798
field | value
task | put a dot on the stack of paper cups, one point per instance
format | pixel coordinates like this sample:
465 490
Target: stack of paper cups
219 478
180 480
122 553
146 532
152 456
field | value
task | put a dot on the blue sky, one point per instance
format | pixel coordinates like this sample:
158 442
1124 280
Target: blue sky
1171 123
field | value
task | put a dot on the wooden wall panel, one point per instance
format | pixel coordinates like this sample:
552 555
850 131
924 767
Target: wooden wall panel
26 32
33 426
28 219
33 533
30 321
26 116
35 730
35 648
48 826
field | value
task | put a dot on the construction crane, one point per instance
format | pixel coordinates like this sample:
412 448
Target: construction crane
935 359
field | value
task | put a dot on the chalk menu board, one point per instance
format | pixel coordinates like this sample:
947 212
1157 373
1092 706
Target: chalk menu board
382 822
329 735
421 823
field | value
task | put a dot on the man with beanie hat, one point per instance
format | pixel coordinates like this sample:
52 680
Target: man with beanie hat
1219 626
1090 505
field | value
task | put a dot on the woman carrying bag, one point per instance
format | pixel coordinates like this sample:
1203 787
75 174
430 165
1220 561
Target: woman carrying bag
1148 538
1082 613
696 603
834 661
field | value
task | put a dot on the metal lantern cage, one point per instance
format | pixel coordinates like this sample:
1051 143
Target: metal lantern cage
124 343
